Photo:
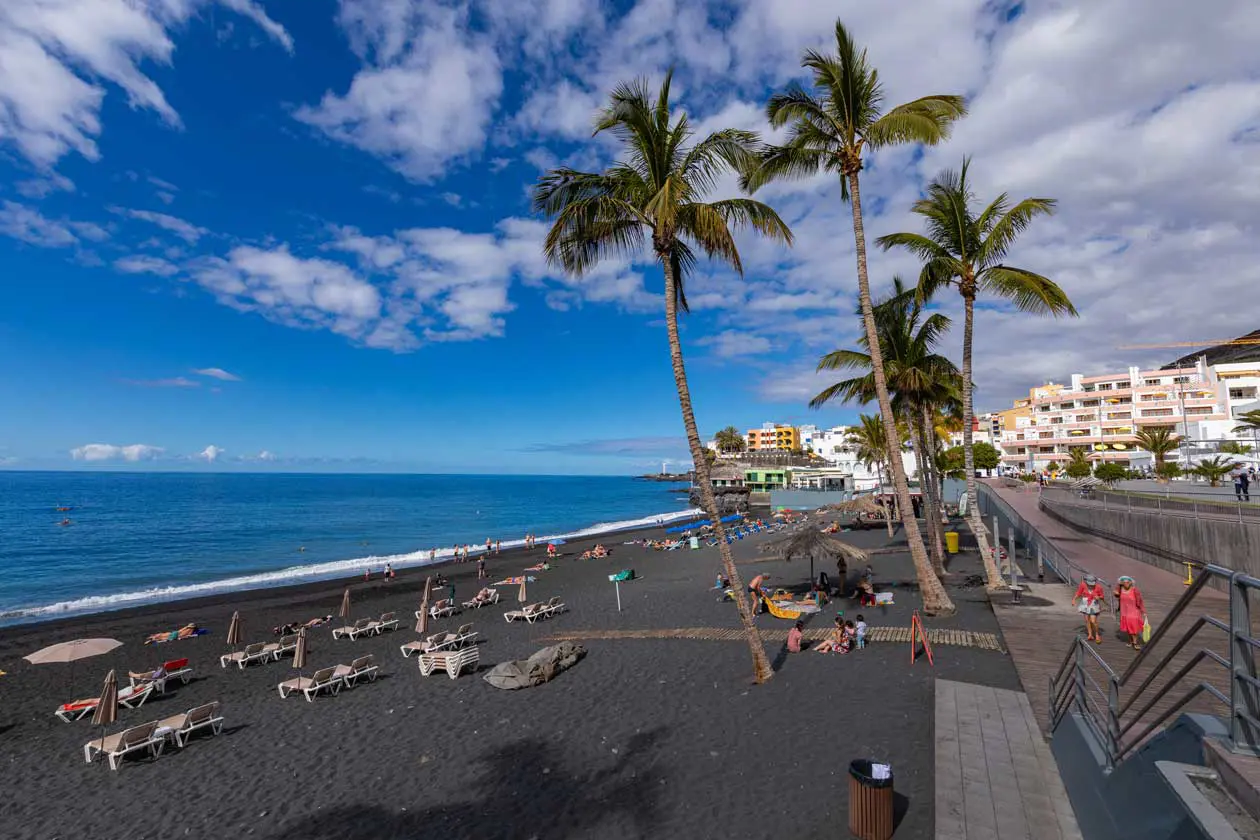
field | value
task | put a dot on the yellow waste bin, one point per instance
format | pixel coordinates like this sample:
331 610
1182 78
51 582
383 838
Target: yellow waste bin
951 542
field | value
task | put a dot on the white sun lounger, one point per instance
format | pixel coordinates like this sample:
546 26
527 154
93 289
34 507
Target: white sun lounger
442 609
475 604
131 696
179 728
454 662
441 641
325 679
252 653
287 644
363 625
114 747
387 621
554 606
362 668
528 613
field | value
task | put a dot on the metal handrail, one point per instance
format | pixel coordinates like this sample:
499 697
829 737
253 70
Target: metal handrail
1059 564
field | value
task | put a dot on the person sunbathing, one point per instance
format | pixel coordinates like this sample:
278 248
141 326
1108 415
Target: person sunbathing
484 595
184 632
147 676
292 627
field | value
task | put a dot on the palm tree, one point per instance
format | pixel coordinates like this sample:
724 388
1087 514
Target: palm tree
654 194
1078 465
872 449
918 380
966 250
1159 441
1214 469
828 130
729 440
1249 421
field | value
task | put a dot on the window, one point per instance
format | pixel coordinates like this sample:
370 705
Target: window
1089 404
1152 382
1119 415
1087 388
1181 380
1157 412
1199 410
1044 435
1104 386
1056 421
1084 418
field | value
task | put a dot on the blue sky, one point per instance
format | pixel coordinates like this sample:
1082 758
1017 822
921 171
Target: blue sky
327 210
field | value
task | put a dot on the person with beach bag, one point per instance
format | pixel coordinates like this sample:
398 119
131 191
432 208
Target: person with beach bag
1132 612
1089 602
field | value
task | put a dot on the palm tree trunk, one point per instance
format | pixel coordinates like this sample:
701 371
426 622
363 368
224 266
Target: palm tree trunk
888 514
927 485
916 441
761 663
935 600
973 512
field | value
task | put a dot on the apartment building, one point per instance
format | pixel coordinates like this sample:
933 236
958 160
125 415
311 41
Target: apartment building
773 436
1103 413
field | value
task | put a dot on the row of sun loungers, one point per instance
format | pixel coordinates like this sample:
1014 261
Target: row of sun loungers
331 680
260 652
153 736
533 612
368 627
462 637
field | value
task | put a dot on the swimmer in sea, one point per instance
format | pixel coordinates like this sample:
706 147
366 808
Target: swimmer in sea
63 523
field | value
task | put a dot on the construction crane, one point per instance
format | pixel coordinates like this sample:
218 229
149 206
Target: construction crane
1229 342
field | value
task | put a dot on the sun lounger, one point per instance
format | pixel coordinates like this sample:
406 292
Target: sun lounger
252 653
363 625
362 668
442 609
287 644
387 621
527 613
476 604
454 662
554 606
180 728
131 696
325 679
175 669
135 739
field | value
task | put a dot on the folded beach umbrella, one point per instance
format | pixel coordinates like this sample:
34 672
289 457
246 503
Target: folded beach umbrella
422 624
345 606
72 652
234 631
299 652
107 706
520 596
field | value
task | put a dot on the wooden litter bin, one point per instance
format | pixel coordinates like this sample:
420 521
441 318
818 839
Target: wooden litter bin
870 802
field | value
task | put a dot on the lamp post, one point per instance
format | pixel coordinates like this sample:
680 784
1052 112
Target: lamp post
1185 425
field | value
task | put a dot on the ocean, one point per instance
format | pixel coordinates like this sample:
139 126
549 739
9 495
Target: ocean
136 538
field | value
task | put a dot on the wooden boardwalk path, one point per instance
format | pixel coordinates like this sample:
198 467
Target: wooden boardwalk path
900 635
1039 632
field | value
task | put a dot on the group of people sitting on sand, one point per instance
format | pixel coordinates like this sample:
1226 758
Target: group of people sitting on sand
846 636
596 553
294 626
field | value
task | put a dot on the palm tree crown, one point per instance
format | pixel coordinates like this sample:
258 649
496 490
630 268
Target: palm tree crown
1157 440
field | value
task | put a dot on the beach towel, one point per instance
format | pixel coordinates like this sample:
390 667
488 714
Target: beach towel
542 667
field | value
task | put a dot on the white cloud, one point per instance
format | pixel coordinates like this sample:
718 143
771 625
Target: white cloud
426 93
173 382
732 343
56 59
217 373
264 455
30 226
210 454
186 231
110 452
141 264
45 186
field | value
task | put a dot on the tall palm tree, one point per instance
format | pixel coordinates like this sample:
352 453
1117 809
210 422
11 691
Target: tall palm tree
730 440
966 249
872 450
1159 441
1078 465
828 130
917 378
655 195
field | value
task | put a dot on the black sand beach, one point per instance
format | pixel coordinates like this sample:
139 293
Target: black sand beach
644 737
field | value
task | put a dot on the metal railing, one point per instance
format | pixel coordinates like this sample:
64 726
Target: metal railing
1121 711
1220 510
1035 545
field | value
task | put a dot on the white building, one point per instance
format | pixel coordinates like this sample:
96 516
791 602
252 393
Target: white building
834 446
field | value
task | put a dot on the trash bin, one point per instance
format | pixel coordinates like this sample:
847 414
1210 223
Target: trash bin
870 800
951 542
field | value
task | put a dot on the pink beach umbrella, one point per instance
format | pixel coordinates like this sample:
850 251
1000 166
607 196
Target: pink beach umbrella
422 624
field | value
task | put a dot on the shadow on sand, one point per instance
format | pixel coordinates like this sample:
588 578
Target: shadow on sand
524 792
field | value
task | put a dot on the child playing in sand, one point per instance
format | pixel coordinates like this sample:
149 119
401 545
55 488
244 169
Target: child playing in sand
794 637
861 632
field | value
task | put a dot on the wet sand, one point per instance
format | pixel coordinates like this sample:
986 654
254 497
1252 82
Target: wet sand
644 737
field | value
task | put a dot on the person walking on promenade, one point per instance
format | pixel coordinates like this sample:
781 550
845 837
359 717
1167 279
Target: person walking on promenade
1088 601
1244 478
1240 477
1132 610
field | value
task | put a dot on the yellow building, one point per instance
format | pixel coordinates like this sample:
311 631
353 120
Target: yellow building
773 436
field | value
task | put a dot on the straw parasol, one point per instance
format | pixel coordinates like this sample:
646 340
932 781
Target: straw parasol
861 504
72 652
813 543
344 612
107 706
422 623
234 631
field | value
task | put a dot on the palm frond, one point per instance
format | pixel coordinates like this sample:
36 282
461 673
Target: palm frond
1007 226
748 213
1028 291
925 121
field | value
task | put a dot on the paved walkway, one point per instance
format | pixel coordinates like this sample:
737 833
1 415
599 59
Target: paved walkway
898 635
1039 632
995 776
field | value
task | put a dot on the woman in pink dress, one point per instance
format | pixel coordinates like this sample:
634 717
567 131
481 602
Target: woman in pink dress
1132 610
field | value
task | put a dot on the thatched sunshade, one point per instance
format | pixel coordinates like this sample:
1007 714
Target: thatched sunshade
862 504
814 544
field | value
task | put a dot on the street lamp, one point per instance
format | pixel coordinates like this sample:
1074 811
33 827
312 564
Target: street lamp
1185 424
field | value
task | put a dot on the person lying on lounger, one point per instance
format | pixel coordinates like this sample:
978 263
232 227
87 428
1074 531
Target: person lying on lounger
187 631
148 676
484 595
293 627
